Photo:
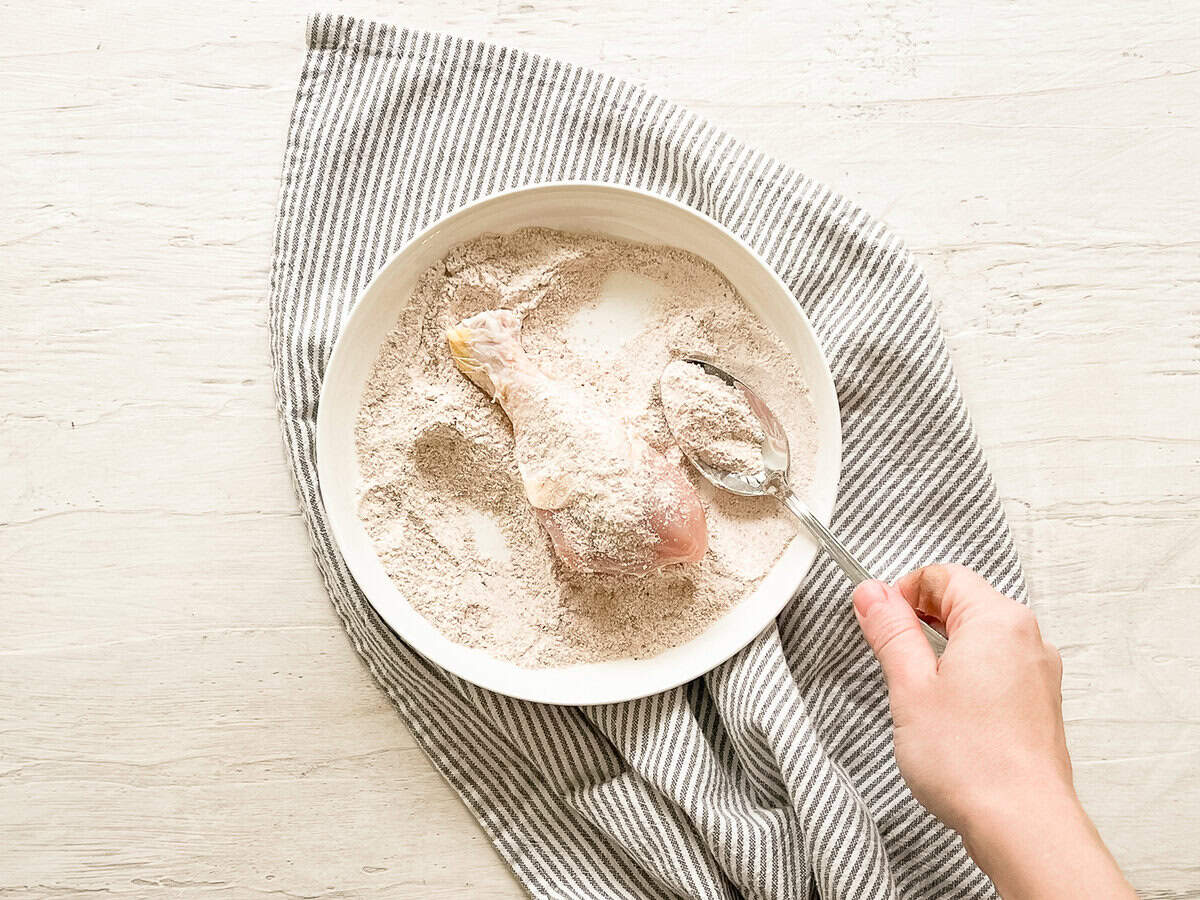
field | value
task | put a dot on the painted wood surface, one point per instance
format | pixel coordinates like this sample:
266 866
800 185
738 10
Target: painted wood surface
180 712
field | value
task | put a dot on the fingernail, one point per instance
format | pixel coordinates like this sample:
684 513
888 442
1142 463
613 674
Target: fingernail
867 595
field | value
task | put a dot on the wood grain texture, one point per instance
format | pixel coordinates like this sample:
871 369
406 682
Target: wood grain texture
180 712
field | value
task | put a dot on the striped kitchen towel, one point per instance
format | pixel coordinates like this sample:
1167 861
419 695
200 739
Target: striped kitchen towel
772 776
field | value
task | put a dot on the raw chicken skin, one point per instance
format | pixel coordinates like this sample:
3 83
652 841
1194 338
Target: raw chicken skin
609 501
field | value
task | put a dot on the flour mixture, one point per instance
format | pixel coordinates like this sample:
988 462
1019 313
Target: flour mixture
440 493
712 419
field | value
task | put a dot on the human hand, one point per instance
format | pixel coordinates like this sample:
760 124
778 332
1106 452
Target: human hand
979 732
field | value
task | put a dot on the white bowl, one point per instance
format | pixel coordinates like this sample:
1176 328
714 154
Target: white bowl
623 213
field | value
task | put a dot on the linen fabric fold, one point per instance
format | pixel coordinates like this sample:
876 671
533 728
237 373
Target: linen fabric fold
772 776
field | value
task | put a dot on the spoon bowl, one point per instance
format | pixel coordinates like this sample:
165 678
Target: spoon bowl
771 478
776 456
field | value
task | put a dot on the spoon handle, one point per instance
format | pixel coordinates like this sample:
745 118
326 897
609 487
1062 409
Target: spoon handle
855 571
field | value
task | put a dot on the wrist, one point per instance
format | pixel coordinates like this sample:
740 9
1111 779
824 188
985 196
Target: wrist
1043 845
1006 825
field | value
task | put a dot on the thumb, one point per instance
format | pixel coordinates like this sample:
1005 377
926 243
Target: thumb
894 633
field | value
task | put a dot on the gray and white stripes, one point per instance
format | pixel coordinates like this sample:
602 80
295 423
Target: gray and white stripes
772 776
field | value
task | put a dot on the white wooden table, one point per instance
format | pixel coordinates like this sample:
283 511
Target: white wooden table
180 712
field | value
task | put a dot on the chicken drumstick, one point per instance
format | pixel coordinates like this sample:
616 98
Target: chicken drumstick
609 501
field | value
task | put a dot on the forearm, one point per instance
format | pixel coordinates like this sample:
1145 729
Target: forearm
1047 848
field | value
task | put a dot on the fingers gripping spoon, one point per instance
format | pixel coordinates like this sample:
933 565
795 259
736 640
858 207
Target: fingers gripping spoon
771 478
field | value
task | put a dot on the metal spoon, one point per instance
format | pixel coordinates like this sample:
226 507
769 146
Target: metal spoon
772 480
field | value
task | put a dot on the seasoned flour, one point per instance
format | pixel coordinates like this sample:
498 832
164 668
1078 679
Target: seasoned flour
711 419
439 492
